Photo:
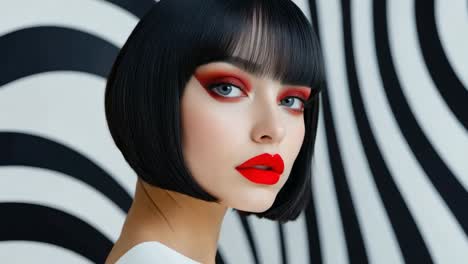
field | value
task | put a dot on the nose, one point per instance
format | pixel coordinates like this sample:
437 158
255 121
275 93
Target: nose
269 128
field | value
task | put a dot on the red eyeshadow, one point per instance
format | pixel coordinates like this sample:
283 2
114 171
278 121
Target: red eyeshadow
223 76
301 92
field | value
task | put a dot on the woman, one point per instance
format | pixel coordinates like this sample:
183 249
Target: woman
214 104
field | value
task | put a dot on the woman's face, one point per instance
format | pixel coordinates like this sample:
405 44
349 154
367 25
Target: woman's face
230 116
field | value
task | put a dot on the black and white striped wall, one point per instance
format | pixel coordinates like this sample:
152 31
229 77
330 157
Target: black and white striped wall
391 162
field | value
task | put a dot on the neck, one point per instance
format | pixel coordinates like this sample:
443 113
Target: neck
188 225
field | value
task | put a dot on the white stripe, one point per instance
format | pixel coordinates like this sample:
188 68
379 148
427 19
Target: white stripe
267 239
68 108
378 235
38 252
295 233
64 193
233 241
330 225
304 6
445 240
452 24
99 18
429 109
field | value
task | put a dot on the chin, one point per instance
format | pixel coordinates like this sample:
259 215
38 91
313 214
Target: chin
254 203
257 209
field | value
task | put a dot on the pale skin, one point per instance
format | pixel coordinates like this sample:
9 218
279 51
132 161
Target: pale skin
220 131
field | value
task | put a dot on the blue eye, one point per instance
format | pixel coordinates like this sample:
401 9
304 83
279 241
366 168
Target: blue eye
229 90
225 89
296 104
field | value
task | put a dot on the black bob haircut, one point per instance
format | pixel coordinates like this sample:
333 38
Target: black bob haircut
144 87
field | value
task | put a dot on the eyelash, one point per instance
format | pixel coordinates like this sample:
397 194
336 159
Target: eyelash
213 87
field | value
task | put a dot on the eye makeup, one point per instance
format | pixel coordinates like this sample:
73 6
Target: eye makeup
235 78
223 76
300 92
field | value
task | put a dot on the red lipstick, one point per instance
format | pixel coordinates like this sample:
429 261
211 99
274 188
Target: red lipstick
272 166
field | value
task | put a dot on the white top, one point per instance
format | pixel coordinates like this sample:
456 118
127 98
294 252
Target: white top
153 252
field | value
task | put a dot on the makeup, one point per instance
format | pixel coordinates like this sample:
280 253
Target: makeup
262 169
234 76
301 92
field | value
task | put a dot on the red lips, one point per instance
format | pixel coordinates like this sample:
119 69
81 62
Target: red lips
263 176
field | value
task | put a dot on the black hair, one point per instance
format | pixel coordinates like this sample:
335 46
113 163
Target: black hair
144 87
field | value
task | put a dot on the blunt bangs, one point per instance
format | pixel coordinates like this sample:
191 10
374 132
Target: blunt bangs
269 38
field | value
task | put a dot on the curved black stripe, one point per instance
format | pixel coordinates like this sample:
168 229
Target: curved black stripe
40 49
412 245
448 84
219 257
315 252
284 253
448 186
35 151
137 8
357 253
29 222
314 245
354 242
248 232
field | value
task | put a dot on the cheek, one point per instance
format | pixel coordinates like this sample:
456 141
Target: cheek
204 130
300 133
209 131
295 141
207 127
